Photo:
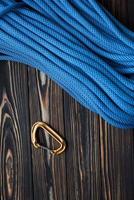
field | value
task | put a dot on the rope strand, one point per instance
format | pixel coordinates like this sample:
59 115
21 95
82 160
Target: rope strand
80 45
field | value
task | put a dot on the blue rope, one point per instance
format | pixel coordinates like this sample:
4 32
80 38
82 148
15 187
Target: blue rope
80 45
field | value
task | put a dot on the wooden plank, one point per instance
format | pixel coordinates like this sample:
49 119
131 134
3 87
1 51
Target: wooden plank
15 156
49 172
98 163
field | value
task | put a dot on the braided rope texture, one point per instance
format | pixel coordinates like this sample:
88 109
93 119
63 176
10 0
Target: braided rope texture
80 46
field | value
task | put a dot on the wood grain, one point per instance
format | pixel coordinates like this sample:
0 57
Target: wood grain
98 163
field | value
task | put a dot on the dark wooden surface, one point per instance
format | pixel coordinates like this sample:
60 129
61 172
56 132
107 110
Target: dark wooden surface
99 161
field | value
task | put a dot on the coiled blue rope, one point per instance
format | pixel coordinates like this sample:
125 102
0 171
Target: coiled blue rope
80 45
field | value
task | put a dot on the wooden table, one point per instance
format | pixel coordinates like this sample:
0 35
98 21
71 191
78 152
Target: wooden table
99 161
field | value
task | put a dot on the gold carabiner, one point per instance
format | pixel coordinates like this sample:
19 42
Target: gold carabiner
52 133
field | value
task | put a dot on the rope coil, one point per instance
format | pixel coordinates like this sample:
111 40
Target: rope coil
80 45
